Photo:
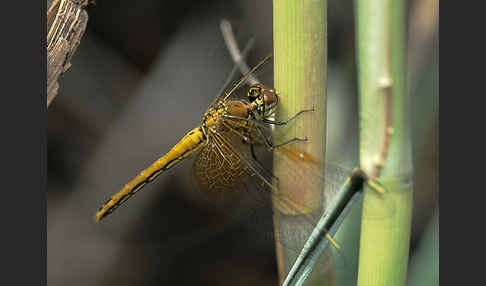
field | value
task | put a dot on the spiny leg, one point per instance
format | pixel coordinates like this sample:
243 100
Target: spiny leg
252 149
252 146
285 122
295 139
270 145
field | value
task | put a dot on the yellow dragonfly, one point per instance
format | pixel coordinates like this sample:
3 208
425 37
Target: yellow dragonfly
225 140
225 126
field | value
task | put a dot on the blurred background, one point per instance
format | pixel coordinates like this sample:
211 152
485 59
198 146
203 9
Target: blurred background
142 76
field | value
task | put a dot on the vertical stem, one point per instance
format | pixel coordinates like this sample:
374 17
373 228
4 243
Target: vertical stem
300 59
425 261
384 143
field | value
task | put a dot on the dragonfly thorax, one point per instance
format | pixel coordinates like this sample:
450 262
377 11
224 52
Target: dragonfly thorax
236 111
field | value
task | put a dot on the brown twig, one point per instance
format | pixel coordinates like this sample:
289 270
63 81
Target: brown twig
66 23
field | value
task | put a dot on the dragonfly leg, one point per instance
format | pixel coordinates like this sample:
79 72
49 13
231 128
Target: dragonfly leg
286 122
270 145
295 139
266 139
252 149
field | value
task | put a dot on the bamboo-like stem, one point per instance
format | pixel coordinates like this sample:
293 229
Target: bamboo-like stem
425 262
300 59
384 143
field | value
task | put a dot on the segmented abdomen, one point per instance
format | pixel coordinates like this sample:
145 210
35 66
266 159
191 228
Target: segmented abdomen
189 144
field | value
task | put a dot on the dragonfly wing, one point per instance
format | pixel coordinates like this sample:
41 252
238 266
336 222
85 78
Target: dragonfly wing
257 179
225 182
217 168
306 171
234 71
222 96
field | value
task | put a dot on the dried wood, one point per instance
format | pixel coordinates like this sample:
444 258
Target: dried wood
66 23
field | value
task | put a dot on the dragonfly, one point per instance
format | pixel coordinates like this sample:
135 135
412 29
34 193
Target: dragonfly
220 164
225 142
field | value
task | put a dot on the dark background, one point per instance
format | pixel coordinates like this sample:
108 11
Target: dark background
140 79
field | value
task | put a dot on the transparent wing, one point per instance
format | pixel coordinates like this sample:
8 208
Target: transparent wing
222 96
237 65
218 168
227 167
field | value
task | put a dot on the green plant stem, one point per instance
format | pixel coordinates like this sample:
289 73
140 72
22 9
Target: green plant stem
425 262
384 143
300 59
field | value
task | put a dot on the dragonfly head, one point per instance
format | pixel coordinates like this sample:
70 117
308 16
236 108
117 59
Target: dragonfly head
263 99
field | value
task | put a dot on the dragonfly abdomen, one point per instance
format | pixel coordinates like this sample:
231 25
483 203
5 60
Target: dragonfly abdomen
189 144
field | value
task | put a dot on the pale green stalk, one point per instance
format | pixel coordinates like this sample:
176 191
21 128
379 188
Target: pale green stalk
384 143
300 59
425 262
